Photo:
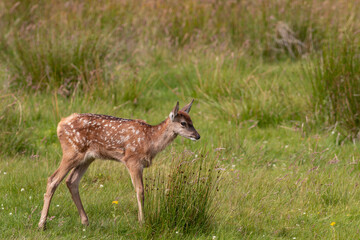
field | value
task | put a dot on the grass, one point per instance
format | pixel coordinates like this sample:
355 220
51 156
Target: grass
278 138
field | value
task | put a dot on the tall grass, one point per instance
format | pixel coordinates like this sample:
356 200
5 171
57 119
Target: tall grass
47 61
14 138
264 29
181 199
336 85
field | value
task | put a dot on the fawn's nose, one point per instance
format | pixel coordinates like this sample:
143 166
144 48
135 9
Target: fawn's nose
197 137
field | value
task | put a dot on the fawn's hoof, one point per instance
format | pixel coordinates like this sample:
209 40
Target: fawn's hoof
42 226
85 222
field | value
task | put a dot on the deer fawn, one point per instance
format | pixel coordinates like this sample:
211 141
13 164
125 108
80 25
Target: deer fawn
85 137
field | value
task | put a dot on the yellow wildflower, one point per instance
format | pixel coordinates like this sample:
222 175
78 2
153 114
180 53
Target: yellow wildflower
333 223
115 202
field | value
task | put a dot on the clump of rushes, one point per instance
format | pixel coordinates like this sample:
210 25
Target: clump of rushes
336 85
181 199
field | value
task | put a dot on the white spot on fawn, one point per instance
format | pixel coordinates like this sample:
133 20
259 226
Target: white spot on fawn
124 139
132 148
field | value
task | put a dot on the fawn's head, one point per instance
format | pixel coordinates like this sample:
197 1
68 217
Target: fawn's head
181 122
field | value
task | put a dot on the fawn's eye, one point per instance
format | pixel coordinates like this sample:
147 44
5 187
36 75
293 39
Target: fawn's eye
183 124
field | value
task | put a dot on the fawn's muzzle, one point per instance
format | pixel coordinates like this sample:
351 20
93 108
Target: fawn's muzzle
195 137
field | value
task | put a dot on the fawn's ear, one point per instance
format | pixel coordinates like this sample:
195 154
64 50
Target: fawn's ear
187 107
174 112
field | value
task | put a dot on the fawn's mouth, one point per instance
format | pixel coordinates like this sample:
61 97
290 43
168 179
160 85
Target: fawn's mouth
195 139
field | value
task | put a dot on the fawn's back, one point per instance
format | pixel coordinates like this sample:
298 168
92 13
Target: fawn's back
102 136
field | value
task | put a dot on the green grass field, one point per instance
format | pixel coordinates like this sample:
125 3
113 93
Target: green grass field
276 89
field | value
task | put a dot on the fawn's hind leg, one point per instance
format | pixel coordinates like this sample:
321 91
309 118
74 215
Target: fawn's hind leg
54 180
72 183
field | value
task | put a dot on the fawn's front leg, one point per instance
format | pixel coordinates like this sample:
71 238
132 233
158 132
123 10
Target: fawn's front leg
136 173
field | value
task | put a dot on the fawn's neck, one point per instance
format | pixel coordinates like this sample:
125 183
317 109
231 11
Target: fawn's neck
162 135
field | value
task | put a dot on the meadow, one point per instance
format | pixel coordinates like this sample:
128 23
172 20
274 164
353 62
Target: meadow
277 97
